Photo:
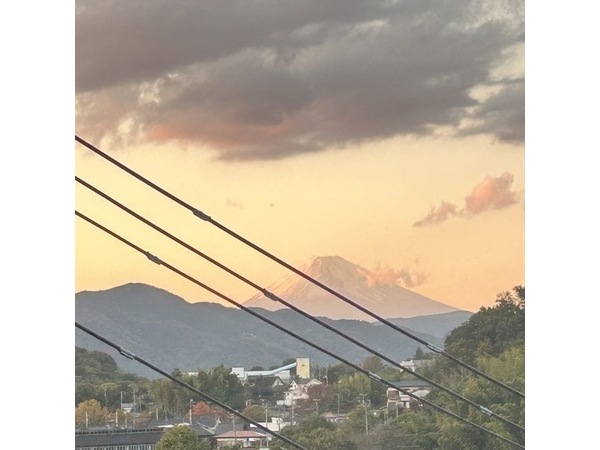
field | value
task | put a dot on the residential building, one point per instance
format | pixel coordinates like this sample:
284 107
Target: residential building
245 438
298 391
126 439
397 399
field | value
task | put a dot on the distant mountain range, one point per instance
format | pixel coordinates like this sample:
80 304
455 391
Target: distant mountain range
170 333
386 299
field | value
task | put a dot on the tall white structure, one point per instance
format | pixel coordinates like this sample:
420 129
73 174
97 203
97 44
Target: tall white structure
303 368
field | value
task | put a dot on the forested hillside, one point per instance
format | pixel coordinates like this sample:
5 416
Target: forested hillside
492 341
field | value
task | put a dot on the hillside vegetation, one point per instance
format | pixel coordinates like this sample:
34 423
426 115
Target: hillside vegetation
492 340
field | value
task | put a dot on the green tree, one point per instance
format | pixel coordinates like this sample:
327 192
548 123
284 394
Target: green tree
255 412
315 433
492 329
84 391
361 424
182 438
509 368
97 377
222 385
412 429
493 340
337 371
94 365
420 354
90 413
372 364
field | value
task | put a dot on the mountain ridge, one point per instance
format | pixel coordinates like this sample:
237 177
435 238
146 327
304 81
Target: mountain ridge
169 332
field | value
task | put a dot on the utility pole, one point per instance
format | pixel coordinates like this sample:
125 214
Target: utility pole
366 419
234 435
365 405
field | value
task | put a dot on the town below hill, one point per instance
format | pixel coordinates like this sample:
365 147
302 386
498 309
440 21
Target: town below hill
328 406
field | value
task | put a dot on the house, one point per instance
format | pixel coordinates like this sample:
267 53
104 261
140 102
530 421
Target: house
265 388
243 438
415 364
299 391
397 399
334 418
276 424
127 407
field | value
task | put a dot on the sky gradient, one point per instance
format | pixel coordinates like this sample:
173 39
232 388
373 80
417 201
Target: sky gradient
41 236
388 133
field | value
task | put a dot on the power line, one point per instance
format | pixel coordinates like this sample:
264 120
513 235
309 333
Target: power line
207 397
276 298
371 375
307 277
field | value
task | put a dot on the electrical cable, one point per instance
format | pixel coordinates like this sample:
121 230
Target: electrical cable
307 277
371 375
482 409
207 397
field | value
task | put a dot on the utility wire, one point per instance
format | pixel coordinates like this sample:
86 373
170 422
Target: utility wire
482 409
371 375
207 397
307 277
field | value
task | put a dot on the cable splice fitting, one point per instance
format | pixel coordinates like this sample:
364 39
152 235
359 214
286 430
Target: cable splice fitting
270 295
484 410
201 215
126 353
154 259
434 348
374 376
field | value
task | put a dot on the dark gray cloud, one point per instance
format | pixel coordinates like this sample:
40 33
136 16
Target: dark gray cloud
268 79
497 115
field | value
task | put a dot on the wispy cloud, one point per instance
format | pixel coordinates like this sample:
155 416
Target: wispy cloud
405 277
491 193
438 215
234 204
269 79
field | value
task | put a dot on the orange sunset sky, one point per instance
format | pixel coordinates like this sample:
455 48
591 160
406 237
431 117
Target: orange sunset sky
389 134
285 127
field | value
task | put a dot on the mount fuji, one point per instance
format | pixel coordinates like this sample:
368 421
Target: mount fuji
386 299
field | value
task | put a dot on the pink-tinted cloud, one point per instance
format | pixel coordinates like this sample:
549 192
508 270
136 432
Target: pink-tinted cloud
491 193
439 215
405 277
